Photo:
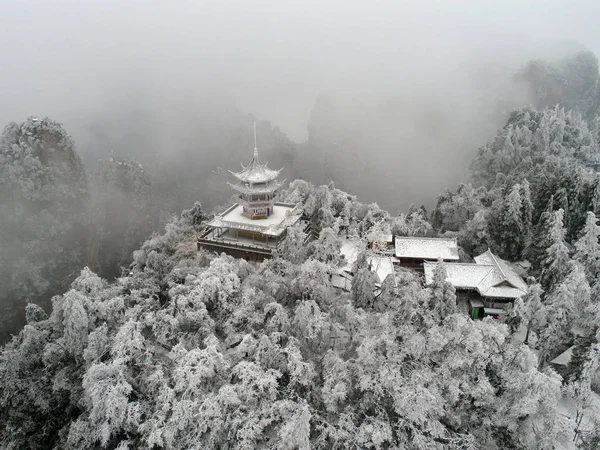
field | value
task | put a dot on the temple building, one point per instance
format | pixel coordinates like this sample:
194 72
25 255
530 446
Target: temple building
255 226
484 288
413 252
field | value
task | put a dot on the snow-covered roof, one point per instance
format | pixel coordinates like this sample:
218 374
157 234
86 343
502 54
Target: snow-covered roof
427 248
350 251
256 172
461 275
491 276
564 358
259 188
381 265
505 274
283 216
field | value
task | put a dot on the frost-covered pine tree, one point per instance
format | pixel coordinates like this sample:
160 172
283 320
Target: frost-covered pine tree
580 388
363 287
442 302
293 248
587 248
560 312
532 310
512 239
327 248
539 242
555 265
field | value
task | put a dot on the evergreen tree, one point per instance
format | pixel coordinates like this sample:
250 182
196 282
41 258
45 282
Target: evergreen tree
363 287
540 237
580 389
507 228
327 248
526 213
388 298
194 216
587 248
293 247
560 312
532 312
579 356
555 265
442 301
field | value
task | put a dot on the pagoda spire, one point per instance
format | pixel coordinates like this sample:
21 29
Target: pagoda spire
255 148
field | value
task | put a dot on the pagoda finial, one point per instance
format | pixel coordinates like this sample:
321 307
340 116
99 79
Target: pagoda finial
255 148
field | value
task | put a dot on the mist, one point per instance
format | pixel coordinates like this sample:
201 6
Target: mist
420 84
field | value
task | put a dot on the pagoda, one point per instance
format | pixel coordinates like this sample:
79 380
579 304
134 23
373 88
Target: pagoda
257 187
255 226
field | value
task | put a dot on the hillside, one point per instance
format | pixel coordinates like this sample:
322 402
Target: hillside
186 348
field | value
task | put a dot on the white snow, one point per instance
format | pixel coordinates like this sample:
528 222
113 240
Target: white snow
283 216
427 248
381 265
461 275
490 276
256 172
506 271
564 358
350 251
278 215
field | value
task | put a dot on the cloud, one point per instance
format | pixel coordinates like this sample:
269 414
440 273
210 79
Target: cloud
437 68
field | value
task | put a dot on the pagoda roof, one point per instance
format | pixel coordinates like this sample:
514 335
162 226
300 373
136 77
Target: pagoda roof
262 188
256 172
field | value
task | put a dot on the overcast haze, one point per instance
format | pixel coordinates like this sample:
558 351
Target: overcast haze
81 62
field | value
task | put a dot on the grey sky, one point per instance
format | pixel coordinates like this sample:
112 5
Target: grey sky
67 58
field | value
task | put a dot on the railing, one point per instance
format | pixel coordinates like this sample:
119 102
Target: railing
272 230
237 246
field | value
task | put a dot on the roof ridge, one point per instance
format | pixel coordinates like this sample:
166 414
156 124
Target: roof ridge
427 238
498 265
450 263
486 275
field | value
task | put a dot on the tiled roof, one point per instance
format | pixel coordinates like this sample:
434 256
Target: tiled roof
427 248
490 276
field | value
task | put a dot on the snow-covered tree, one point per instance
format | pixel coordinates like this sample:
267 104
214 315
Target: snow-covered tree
560 311
555 264
442 302
327 247
587 248
293 248
532 310
580 389
415 223
540 237
363 287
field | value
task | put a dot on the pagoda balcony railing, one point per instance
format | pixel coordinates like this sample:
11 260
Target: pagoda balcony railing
268 188
260 247
272 230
